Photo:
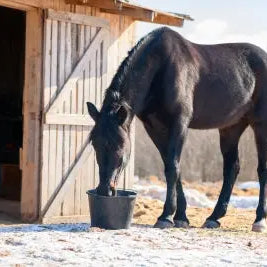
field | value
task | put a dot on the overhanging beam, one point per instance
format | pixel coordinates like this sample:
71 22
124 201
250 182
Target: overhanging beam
122 7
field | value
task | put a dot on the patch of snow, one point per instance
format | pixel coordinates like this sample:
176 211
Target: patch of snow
196 199
244 202
136 179
151 191
193 197
248 185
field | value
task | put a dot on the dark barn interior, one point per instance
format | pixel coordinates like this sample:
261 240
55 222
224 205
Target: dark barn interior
12 56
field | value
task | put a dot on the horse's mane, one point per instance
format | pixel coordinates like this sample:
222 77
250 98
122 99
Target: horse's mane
114 94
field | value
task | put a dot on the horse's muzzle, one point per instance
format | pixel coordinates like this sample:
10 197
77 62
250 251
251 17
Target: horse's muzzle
104 190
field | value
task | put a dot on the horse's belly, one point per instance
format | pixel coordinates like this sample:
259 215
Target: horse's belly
220 102
219 117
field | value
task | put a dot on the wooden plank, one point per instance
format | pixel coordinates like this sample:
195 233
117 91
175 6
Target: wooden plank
74 76
69 119
67 109
104 66
167 20
85 181
92 97
73 128
60 129
94 3
77 18
74 46
66 103
33 3
31 116
16 5
138 14
68 181
135 11
53 129
147 16
45 137
79 110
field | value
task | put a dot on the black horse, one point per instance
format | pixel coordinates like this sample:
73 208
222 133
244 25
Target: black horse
171 85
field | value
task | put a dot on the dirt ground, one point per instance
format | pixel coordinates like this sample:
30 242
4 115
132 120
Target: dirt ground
147 210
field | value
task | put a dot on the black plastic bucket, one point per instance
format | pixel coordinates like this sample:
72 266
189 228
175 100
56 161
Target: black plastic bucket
111 212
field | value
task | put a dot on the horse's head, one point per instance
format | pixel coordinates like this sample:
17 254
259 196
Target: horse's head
111 141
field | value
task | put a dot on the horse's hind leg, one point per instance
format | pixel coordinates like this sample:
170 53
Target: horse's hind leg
260 131
229 138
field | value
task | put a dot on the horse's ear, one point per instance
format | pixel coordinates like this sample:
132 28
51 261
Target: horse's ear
92 110
122 115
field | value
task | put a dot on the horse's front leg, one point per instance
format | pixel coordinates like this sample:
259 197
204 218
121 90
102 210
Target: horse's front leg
172 172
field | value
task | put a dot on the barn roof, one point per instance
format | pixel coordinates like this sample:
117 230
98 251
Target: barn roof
138 12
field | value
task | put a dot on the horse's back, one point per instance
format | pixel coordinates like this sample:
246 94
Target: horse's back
221 81
223 93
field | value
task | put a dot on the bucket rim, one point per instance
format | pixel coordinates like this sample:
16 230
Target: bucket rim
92 192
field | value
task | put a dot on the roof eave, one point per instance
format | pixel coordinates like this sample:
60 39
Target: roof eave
123 7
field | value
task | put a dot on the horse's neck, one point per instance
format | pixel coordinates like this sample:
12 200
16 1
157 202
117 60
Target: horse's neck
131 84
137 83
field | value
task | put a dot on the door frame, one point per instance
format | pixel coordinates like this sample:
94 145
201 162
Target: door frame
31 110
32 116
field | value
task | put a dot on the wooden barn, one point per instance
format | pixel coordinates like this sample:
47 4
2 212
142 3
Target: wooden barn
55 56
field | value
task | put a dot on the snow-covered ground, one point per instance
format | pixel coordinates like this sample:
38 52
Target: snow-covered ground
244 202
248 185
196 199
193 197
78 244
57 245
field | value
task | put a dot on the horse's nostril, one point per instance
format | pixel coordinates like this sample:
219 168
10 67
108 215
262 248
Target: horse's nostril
113 191
113 188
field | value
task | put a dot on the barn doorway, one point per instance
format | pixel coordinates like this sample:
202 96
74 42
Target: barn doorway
12 68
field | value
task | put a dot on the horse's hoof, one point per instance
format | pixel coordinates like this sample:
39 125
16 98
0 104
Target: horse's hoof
260 226
211 224
163 224
181 224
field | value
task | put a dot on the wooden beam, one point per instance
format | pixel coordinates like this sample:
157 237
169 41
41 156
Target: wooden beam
138 14
15 5
22 4
31 116
95 3
77 18
135 11
69 119
58 196
166 20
